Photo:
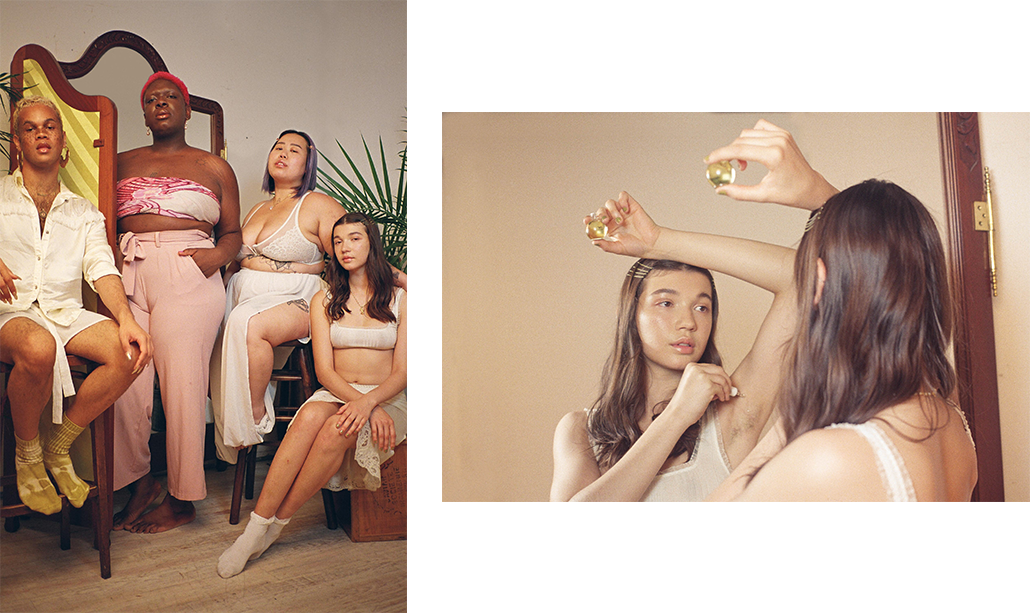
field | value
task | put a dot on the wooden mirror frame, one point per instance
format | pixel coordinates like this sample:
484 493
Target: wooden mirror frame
120 38
975 360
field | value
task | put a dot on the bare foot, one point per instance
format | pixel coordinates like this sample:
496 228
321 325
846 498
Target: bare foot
145 491
171 513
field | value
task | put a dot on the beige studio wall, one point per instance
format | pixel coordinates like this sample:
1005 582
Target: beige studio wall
529 304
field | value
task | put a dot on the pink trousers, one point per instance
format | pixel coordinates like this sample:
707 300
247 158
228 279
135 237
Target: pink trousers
182 310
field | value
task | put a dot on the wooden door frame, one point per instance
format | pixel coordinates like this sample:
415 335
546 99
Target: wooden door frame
975 361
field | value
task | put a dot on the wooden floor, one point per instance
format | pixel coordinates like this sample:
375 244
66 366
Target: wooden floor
309 569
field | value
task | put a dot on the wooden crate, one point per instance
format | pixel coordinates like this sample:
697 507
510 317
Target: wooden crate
381 515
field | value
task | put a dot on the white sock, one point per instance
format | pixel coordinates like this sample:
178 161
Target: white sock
249 545
274 529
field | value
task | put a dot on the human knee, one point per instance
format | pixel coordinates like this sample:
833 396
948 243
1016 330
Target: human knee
308 417
330 437
111 353
35 353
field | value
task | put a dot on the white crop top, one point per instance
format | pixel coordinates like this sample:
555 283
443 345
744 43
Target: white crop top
385 337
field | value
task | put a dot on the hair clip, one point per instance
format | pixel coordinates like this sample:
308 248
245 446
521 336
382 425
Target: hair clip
814 217
639 270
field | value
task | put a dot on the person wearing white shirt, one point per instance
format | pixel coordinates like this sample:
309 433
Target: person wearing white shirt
51 239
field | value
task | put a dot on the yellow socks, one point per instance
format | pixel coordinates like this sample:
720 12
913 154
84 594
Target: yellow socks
57 461
34 486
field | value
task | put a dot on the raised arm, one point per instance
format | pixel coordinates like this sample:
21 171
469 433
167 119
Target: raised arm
635 234
791 181
770 267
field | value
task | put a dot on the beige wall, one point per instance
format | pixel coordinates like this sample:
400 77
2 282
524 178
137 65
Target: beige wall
529 304
336 70
1006 152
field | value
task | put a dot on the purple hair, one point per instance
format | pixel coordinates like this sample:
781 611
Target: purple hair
310 178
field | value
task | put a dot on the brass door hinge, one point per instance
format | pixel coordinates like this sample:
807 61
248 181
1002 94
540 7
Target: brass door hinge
983 221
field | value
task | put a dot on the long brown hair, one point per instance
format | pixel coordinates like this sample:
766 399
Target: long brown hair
881 328
613 425
377 269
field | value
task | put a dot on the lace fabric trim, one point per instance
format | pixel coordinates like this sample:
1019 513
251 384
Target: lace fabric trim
288 243
889 463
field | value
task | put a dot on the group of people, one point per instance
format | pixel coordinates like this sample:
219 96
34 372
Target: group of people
175 317
847 392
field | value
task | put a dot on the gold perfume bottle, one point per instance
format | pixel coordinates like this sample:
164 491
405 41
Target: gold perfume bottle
596 228
721 173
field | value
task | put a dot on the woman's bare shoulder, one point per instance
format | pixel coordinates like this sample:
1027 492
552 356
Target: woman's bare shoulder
321 204
823 464
572 430
574 420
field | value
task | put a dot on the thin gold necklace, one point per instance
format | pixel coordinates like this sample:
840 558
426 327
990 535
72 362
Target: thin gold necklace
275 202
361 307
48 198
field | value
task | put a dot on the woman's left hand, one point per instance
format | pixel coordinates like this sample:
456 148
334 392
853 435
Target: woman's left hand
208 259
790 181
630 228
353 416
383 433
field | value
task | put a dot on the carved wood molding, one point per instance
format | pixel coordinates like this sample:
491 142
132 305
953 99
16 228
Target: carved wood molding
107 41
975 363
120 38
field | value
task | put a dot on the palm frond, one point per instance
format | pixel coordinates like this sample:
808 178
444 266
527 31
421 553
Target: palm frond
374 196
8 98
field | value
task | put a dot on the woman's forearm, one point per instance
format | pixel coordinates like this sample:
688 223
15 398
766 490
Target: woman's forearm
629 478
265 264
765 265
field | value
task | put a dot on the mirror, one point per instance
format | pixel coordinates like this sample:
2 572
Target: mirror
117 64
120 74
529 305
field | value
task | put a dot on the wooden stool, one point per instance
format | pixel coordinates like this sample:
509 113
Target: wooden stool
100 497
300 368
381 515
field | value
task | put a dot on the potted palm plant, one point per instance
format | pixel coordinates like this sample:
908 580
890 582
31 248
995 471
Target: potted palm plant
8 96
384 201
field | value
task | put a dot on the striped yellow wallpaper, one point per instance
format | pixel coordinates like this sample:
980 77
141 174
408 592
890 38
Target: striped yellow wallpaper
82 174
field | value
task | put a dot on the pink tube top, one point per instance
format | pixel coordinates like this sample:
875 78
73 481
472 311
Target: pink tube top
167 196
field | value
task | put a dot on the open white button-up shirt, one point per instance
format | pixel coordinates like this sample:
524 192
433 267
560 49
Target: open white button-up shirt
51 265
72 246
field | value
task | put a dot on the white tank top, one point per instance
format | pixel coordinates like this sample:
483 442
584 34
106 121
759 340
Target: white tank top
889 463
693 481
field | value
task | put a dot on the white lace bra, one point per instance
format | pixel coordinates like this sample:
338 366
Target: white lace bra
287 243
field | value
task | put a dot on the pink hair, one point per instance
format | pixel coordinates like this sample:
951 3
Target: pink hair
167 76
